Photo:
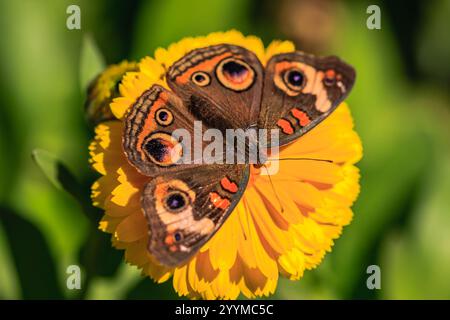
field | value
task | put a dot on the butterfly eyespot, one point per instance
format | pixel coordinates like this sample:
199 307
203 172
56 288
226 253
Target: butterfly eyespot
176 201
162 149
235 74
294 79
177 237
164 117
201 78
329 82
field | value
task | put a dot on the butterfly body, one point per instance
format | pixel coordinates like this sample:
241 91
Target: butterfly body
227 88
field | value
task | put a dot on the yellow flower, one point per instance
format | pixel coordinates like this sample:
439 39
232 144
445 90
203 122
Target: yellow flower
103 89
258 242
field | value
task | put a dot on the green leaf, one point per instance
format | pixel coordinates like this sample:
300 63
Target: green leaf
49 165
58 174
61 177
92 62
34 264
96 255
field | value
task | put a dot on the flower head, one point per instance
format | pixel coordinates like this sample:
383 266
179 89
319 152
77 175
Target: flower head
259 241
103 89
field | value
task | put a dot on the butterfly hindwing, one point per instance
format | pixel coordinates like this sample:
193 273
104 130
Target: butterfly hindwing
185 209
300 91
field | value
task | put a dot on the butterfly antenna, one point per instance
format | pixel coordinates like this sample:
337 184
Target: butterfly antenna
273 187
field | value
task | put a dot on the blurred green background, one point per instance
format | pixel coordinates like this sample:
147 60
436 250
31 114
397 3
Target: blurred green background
400 103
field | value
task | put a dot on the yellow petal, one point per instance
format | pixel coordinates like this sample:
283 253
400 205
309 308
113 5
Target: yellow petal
278 239
277 47
224 245
132 227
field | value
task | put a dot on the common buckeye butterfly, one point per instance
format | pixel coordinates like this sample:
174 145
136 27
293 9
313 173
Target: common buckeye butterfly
224 86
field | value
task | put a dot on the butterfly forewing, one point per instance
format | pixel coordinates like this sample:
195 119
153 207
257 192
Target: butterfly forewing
221 85
300 91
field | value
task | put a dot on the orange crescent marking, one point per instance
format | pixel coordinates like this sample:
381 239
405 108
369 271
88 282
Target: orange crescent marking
150 125
169 240
229 185
218 201
285 126
284 65
330 73
301 117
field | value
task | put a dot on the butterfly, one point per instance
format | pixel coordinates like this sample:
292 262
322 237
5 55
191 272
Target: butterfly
224 86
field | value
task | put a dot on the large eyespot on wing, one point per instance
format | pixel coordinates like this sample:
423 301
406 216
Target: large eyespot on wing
147 140
301 90
184 210
235 74
220 84
162 149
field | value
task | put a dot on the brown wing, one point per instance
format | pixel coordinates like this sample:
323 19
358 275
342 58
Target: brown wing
301 90
186 208
148 139
221 85
184 203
